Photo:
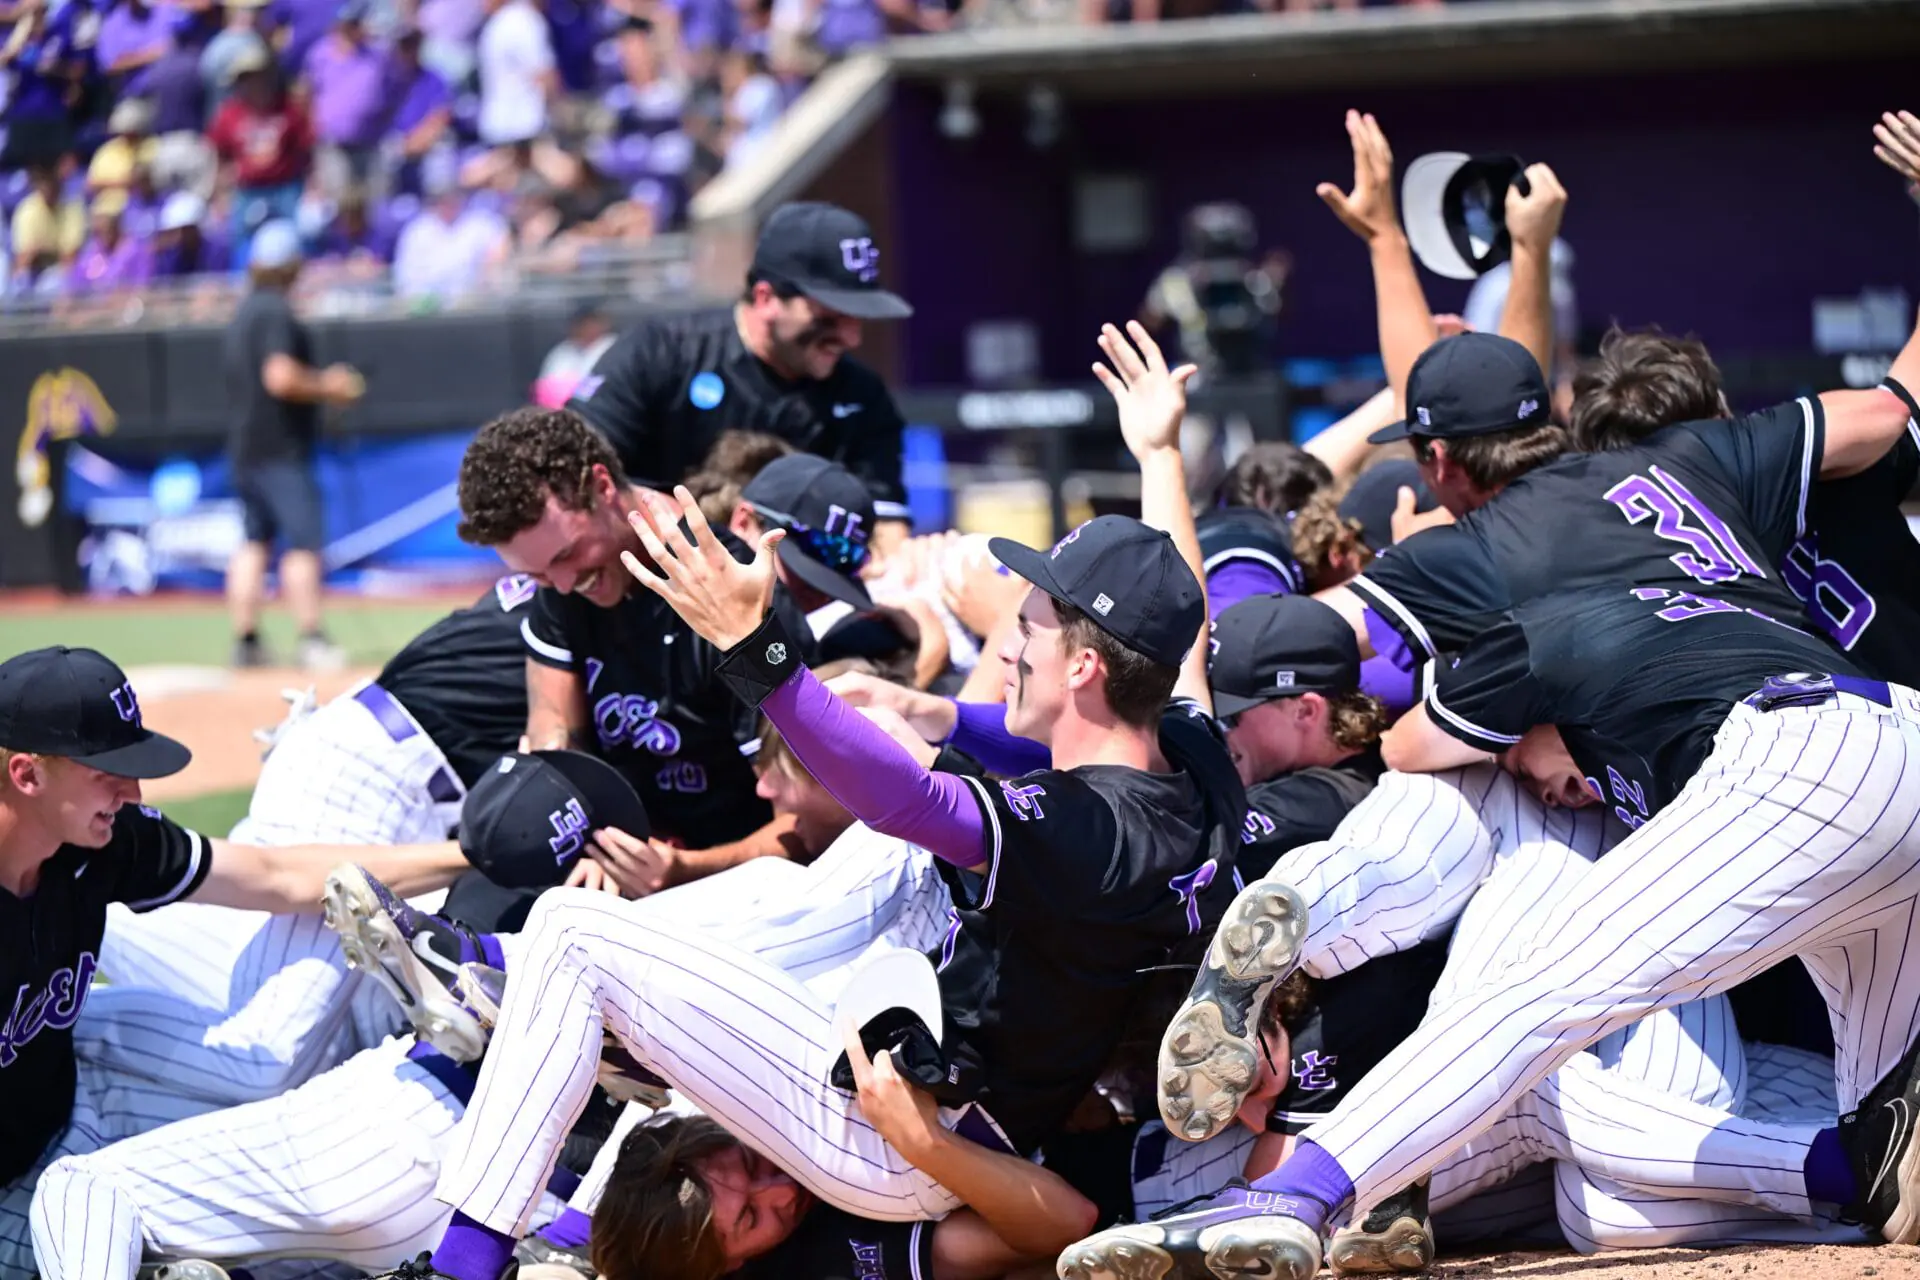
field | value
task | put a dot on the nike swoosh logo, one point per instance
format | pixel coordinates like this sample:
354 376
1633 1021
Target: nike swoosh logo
1902 1128
846 410
423 948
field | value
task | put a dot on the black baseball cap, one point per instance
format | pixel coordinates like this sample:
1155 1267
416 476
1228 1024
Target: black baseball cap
1376 492
1472 384
75 703
1127 577
828 515
528 819
1268 647
1454 209
827 253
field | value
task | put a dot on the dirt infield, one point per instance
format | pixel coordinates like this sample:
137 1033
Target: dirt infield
1748 1262
215 712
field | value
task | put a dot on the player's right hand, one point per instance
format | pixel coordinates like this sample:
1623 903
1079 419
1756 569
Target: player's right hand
1899 143
1368 210
1533 219
588 874
1408 520
636 867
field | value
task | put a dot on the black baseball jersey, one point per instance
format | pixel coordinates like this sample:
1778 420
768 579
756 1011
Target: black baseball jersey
1353 1021
657 709
1298 808
465 678
1092 875
669 386
1700 507
1639 679
1248 535
831 1244
51 944
1857 570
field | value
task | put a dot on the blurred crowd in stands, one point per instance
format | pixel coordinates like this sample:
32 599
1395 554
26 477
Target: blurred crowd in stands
419 143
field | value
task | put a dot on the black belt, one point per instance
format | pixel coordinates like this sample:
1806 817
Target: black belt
391 716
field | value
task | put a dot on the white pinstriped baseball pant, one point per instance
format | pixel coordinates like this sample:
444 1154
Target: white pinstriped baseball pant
1799 836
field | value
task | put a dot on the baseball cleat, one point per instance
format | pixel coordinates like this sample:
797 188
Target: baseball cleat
405 952
190 1269
1237 1232
1882 1141
421 1268
537 1252
1209 1055
1395 1238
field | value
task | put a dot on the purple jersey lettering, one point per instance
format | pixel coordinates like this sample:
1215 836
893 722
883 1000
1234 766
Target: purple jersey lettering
1715 555
1190 886
1835 600
1024 801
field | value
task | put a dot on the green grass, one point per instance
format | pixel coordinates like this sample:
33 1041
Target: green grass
194 632
211 815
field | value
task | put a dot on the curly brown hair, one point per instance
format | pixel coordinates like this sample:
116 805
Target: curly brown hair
655 1217
1356 720
520 459
1323 539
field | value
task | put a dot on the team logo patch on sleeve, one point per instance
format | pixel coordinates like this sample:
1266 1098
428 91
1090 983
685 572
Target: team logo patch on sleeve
1024 801
514 590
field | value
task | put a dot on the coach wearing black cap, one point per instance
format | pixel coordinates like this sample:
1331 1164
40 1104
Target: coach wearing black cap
1285 673
73 838
777 362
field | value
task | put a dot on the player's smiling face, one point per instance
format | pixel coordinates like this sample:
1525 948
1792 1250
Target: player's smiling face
1037 669
756 1205
576 551
1270 739
74 804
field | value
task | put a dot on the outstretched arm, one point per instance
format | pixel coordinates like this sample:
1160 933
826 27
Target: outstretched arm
289 880
1152 400
1533 220
1369 211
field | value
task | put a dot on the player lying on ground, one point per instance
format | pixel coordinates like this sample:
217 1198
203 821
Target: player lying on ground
74 838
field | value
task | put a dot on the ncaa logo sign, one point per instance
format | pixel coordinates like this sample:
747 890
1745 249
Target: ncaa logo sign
861 258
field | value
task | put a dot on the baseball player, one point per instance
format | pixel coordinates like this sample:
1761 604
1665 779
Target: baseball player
1244 543
1653 681
211 1188
610 669
243 1005
1020 1054
1856 569
74 838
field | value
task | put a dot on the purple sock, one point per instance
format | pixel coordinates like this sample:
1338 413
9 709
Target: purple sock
469 1251
1829 1176
1313 1177
570 1230
491 953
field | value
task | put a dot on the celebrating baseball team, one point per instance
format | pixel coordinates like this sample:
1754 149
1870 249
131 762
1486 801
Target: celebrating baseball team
1491 820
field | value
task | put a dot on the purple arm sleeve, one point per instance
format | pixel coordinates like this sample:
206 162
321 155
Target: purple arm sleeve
980 730
1234 582
1390 674
873 776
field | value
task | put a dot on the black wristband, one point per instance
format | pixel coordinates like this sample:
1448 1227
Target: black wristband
762 662
958 763
1894 385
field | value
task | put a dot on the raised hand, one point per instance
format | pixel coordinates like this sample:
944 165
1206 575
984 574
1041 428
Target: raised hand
1368 210
1152 398
1898 145
718 596
1533 219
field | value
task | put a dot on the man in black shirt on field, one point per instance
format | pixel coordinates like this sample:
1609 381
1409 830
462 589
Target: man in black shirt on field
275 393
74 838
778 361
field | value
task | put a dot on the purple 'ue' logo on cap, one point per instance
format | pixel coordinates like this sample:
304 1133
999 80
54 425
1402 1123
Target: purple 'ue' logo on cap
126 704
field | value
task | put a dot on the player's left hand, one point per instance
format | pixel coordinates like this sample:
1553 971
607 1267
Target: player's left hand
588 874
901 1112
715 594
1409 520
1533 219
1151 397
638 867
1898 145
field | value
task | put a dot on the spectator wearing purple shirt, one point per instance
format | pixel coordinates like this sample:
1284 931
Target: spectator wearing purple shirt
133 36
574 28
646 100
420 108
173 82
40 53
306 23
845 25
451 29
347 78
180 246
110 260
353 236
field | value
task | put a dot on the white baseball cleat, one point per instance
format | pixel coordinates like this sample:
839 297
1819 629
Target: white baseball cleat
1239 1232
395 945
